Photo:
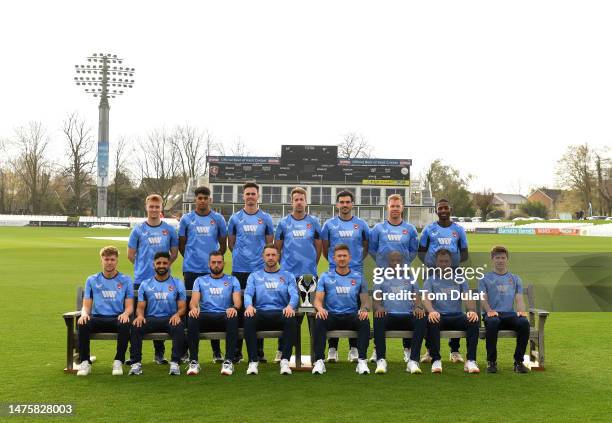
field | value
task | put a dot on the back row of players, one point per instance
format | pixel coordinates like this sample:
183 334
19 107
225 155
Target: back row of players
341 301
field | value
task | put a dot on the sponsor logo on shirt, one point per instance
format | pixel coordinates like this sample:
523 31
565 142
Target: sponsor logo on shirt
281 279
343 290
212 221
405 231
215 291
119 285
299 233
99 286
455 234
353 282
271 285
202 230
249 228
345 234
309 225
445 241
154 240
226 283
161 295
394 237
109 294
356 226
171 288
259 221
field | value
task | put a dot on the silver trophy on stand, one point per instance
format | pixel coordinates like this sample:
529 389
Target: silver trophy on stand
307 284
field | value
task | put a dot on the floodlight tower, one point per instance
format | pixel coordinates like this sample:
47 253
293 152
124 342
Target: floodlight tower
103 78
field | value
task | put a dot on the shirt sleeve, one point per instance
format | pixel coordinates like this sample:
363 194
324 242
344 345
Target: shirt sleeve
182 231
321 283
196 285
129 293
463 243
249 291
365 231
519 284
88 293
235 284
173 237
231 225
293 292
413 244
221 225
317 228
141 291
134 235
363 289
269 225
482 286
325 231
280 231
182 292
424 240
427 285
373 244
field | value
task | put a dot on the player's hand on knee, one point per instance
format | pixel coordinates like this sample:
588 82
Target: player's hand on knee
380 312
139 321
175 319
231 312
250 311
492 313
472 316
194 312
288 311
322 314
362 314
434 317
521 313
83 319
419 313
123 318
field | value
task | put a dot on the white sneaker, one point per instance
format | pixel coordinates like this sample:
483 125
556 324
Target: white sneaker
319 367
353 355
455 357
373 357
406 355
362 367
413 367
135 369
436 367
284 367
381 366
227 368
471 367
84 368
278 357
332 355
175 370
117 368
194 368
252 370
426 358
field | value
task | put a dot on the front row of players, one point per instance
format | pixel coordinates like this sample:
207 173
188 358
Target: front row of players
270 302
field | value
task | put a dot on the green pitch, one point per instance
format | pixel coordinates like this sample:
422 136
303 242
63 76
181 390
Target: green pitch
42 266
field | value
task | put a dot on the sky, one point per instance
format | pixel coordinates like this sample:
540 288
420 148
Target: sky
495 89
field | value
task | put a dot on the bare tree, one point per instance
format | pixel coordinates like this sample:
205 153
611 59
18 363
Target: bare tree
575 171
194 146
121 168
603 171
484 202
354 146
79 145
32 165
238 148
159 164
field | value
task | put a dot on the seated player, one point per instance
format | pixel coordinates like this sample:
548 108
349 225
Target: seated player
501 290
161 306
444 312
215 301
112 295
270 298
336 302
398 313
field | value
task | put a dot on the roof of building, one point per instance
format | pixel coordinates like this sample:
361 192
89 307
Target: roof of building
509 198
553 194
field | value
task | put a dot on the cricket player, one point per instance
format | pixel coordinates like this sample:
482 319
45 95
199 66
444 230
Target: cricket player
338 295
161 306
444 312
108 303
270 301
249 230
146 239
502 290
215 301
201 232
353 232
298 238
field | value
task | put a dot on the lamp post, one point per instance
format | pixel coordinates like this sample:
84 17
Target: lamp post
102 77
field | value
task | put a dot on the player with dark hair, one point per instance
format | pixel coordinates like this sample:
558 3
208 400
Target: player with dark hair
354 233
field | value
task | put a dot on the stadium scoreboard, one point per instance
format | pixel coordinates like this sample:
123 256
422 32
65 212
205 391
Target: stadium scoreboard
309 164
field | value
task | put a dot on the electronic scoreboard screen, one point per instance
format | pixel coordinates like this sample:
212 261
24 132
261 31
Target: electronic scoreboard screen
309 164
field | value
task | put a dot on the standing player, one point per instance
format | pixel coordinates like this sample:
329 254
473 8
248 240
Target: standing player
393 311
339 293
444 312
501 290
249 230
298 238
394 235
161 307
353 232
443 234
270 301
215 301
201 232
146 239
112 296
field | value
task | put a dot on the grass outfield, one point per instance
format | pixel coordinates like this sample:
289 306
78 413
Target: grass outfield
44 265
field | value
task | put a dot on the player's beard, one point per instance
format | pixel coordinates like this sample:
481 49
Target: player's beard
161 271
216 271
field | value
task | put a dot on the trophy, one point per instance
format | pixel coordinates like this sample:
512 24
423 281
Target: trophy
307 284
